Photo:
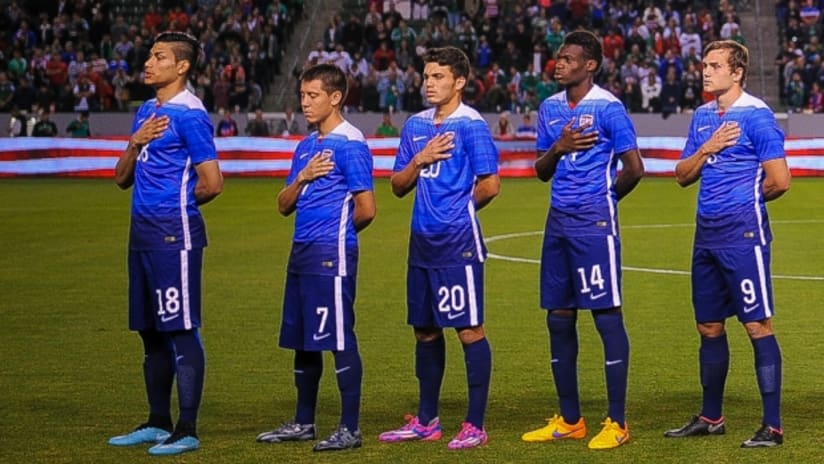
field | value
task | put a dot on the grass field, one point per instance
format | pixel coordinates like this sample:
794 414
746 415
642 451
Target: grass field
70 372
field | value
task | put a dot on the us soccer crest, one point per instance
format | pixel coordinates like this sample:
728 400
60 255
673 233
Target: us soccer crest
327 152
585 120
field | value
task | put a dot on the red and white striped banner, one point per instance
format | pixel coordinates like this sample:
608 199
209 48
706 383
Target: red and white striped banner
255 156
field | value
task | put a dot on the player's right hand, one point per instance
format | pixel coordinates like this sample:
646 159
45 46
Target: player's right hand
151 129
725 136
437 149
319 165
576 139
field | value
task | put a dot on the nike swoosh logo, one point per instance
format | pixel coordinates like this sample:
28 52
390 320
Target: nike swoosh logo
553 360
614 362
304 155
749 309
420 137
178 358
318 338
451 316
595 296
169 318
553 121
342 369
703 128
712 428
557 434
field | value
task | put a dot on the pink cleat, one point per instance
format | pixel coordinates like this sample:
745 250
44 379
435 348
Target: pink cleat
413 430
469 437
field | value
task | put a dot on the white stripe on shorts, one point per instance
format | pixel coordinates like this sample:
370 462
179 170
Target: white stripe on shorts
762 281
184 289
470 290
339 314
613 272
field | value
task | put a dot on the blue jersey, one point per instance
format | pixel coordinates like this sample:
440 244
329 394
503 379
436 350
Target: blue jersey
583 200
165 215
445 230
731 209
325 241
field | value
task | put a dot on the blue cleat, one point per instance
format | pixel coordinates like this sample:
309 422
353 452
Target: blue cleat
175 444
142 434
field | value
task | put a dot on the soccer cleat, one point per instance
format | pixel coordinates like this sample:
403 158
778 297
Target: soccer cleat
765 437
698 426
290 431
611 436
342 438
557 429
414 430
142 434
469 437
177 443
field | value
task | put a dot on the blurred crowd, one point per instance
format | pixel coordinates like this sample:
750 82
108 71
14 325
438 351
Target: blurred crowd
652 49
83 55
799 61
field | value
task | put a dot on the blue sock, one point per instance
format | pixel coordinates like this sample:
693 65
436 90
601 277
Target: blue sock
190 360
478 359
610 326
714 359
308 369
430 362
159 375
349 369
563 347
768 373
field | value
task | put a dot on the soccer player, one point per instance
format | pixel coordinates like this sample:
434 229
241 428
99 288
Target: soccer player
330 187
737 150
172 163
448 155
582 133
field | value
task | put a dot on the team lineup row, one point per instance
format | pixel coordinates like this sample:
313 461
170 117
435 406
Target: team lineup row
448 158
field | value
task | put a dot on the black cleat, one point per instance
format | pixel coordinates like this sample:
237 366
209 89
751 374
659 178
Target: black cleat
765 437
289 431
342 438
698 426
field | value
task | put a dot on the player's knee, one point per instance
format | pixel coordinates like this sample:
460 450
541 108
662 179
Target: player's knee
469 335
710 329
758 329
428 334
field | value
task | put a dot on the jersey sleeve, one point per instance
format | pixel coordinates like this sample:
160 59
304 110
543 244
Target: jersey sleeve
620 127
690 147
196 132
406 150
765 134
358 167
294 167
483 152
545 140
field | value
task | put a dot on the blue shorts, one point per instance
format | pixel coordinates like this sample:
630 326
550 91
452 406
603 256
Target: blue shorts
581 272
445 297
732 281
164 289
318 313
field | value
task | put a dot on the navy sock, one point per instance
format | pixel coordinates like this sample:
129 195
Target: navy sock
430 363
349 369
159 375
714 359
478 359
308 369
610 326
563 347
768 372
191 369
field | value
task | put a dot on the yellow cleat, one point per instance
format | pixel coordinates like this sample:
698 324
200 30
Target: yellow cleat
611 436
557 429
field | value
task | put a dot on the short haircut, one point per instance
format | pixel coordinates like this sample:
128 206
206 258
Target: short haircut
185 46
589 42
453 57
330 76
738 57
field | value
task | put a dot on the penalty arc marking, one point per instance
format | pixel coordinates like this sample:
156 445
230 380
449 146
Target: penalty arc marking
516 259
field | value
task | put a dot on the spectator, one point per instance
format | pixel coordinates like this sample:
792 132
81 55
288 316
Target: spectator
6 92
816 101
650 93
670 97
503 129
79 128
527 129
45 127
227 127
258 127
289 124
387 129
85 94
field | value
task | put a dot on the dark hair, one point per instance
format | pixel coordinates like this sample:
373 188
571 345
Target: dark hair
184 45
589 42
330 76
739 56
453 57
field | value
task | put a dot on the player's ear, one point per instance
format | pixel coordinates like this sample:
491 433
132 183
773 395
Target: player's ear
183 67
336 98
592 66
460 83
